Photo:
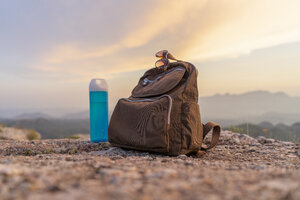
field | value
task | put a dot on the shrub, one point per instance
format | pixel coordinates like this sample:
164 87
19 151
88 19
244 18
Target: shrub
33 135
2 126
236 129
28 152
75 137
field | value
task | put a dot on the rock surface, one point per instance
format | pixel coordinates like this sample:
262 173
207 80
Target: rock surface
240 167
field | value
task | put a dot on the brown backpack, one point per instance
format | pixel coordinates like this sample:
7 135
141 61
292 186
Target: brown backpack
162 114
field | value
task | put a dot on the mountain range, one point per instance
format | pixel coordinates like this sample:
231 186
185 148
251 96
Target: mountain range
253 107
279 131
34 115
225 109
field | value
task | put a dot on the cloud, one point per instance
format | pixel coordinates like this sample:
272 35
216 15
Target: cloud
155 21
254 25
71 58
194 30
70 52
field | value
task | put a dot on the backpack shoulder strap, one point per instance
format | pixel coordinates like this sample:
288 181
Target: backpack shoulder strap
215 134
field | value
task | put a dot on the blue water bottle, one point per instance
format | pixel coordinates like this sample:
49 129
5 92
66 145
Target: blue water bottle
98 110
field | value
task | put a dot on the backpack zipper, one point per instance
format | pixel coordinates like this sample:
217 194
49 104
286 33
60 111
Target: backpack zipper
146 80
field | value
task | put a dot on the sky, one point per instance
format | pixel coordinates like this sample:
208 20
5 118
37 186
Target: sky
50 50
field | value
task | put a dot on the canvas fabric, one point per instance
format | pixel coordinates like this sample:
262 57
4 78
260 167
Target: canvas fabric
162 114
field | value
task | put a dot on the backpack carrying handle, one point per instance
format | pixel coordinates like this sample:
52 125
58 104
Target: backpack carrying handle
215 134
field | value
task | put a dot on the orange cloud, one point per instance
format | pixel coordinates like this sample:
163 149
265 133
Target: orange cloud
195 30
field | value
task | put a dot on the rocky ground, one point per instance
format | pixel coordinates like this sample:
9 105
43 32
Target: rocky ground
240 167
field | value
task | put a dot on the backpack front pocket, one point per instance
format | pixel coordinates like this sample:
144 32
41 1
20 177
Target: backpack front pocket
141 124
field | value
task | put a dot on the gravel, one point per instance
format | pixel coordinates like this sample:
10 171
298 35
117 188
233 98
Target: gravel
240 167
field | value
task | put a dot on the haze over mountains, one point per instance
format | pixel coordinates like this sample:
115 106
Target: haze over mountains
226 109
254 107
35 115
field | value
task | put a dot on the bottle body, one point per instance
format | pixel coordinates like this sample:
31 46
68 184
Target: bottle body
98 116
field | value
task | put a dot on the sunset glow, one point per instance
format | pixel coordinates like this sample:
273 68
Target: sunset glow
51 50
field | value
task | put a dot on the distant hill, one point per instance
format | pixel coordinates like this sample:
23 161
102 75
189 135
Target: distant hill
77 115
32 116
226 109
51 128
279 131
252 107
10 133
231 109
81 115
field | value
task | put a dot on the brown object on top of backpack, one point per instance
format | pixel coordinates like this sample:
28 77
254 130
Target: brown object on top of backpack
162 114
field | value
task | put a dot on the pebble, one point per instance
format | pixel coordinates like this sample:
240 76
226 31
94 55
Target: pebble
261 139
269 140
183 157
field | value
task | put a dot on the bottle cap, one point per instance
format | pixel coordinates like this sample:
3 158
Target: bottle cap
98 85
